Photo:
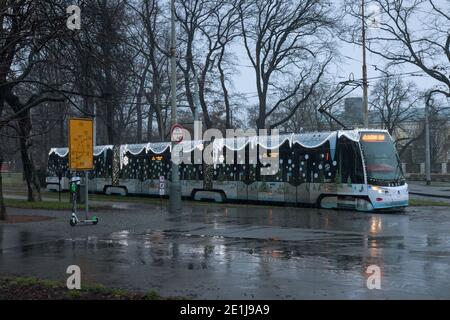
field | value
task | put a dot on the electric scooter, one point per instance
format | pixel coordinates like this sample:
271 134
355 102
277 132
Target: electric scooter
74 220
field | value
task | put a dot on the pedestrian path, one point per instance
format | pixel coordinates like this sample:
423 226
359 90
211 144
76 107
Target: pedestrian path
436 189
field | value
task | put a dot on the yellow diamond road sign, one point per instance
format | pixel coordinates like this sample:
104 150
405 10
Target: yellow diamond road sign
81 144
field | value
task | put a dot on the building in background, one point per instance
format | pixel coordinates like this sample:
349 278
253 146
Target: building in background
353 112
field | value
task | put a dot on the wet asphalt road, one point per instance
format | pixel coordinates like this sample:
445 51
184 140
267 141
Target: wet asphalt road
241 252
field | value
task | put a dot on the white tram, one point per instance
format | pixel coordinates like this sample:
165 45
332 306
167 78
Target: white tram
350 169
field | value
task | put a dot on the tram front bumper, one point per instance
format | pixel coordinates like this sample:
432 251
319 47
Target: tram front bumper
388 197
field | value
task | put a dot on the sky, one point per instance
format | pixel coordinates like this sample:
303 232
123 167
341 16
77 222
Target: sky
350 62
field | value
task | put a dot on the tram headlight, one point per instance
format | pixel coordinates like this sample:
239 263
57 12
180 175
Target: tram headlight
375 188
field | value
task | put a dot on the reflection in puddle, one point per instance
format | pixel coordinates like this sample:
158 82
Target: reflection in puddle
230 251
375 225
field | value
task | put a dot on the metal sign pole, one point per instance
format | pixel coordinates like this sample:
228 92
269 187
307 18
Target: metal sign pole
175 187
86 204
81 157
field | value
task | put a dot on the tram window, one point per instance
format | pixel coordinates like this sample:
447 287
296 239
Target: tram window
166 169
99 166
229 169
304 158
54 165
275 175
312 160
189 172
265 170
287 163
192 170
129 167
294 166
57 164
108 163
286 167
198 172
224 172
139 166
231 172
323 167
251 175
156 168
239 164
350 163
240 169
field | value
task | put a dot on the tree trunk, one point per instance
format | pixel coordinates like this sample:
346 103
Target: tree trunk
203 104
36 182
110 121
3 215
139 104
27 162
150 124
62 141
27 167
115 166
228 119
261 121
139 119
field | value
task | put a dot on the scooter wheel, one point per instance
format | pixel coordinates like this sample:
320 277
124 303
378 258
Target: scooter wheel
95 220
72 222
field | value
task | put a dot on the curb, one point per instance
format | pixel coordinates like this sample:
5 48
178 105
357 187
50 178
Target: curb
429 195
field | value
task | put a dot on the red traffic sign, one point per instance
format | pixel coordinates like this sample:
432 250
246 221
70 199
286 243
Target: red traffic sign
177 133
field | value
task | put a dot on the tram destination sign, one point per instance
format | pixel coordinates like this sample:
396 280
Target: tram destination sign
81 144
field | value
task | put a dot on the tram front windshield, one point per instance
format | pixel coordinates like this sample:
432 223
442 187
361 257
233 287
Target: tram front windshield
382 162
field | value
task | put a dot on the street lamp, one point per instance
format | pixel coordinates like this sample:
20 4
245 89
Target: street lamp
364 69
374 12
428 102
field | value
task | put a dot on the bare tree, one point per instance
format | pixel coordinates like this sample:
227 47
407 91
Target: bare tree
219 32
395 105
103 58
409 32
27 28
192 15
286 42
394 102
439 128
307 117
149 38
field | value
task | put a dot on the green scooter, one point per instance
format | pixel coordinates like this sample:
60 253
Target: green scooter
74 220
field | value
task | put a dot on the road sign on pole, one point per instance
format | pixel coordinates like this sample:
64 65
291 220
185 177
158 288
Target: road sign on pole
177 133
81 144
81 151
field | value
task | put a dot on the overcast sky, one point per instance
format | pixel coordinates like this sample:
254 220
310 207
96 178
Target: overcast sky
351 62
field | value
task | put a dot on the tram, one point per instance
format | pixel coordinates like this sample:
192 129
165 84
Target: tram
346 169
